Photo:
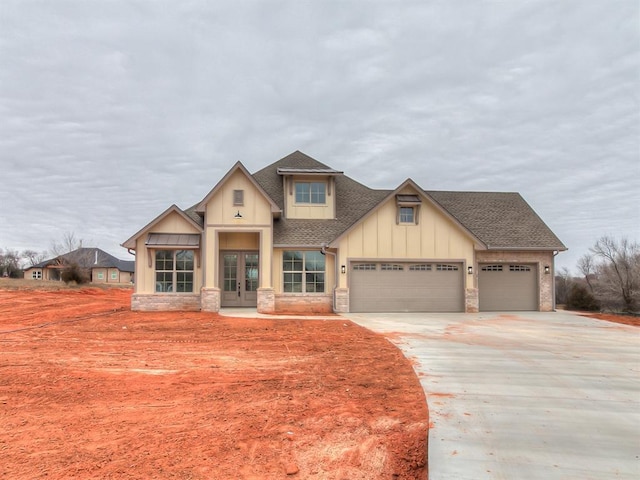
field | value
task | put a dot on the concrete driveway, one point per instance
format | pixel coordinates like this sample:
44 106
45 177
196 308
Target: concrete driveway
526 395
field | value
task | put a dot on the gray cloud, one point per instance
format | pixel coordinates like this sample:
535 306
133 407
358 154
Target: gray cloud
112 111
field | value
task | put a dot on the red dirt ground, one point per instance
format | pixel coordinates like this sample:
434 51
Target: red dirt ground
611 317
89 389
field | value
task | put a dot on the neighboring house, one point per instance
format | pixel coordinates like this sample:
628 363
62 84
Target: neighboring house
301 236
97 264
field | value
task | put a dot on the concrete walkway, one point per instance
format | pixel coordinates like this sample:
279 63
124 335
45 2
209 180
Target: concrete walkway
524 396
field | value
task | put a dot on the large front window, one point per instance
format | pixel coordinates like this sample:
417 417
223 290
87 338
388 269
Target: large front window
174 271
303 272
311 192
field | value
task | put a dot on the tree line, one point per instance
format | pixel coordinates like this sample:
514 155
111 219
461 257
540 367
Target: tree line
609 278
13 262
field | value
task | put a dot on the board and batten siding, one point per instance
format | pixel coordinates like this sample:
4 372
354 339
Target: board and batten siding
145 274
224 230
378 236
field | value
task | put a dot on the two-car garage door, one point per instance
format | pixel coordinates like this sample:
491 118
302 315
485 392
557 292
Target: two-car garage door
406 287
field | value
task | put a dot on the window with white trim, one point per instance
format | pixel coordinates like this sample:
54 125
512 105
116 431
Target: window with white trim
174 271
314 193
114 275
100 275
36 275
407 215
303 271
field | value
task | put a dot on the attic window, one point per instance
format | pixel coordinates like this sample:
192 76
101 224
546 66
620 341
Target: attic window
238 198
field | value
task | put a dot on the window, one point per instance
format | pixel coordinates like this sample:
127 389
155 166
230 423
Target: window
238 198
492 268
364 266
408 209
36 275
100 275
407 215
446 268
114 275
420 267
303 272
519 268
391 267
311 192
174 271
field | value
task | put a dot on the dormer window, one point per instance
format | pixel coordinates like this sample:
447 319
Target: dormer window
311 192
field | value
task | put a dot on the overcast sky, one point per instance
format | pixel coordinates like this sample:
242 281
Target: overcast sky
111 111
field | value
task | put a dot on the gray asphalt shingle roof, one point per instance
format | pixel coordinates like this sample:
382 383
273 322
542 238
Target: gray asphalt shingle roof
500 220
89 257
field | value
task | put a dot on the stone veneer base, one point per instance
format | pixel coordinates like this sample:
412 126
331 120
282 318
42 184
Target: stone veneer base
165 302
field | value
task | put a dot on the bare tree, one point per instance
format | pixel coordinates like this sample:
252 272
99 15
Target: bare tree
564 282
618 272
69 243
9 263
586 266
32 257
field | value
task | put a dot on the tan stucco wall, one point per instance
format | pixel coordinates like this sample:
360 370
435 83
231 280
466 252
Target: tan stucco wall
541 259
308 211
436 237
145 258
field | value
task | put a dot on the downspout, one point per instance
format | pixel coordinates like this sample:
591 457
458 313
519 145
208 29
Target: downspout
324 251
553 279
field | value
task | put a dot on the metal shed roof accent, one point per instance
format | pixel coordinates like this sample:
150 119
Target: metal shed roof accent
173 240
408 199
308 171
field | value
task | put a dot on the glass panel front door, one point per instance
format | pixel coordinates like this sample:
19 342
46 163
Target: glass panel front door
239 279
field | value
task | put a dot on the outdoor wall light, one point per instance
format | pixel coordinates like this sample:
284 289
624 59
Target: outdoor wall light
470 270
343 269
238 215
547 269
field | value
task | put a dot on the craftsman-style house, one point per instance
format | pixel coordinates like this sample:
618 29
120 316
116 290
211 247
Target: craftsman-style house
299 235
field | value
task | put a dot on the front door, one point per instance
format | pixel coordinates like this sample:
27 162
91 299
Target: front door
239 279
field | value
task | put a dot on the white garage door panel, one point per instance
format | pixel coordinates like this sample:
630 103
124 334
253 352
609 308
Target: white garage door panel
406 290
508 287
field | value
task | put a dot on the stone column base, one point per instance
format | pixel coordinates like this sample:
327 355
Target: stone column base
341 300
210 299
266 300
471 301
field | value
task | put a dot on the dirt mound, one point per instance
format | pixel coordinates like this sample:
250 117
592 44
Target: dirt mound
90 389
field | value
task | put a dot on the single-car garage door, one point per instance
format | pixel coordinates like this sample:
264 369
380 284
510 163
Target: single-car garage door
508 287
406 287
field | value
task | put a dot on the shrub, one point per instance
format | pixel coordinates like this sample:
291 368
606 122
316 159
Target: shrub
581 299
73 273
